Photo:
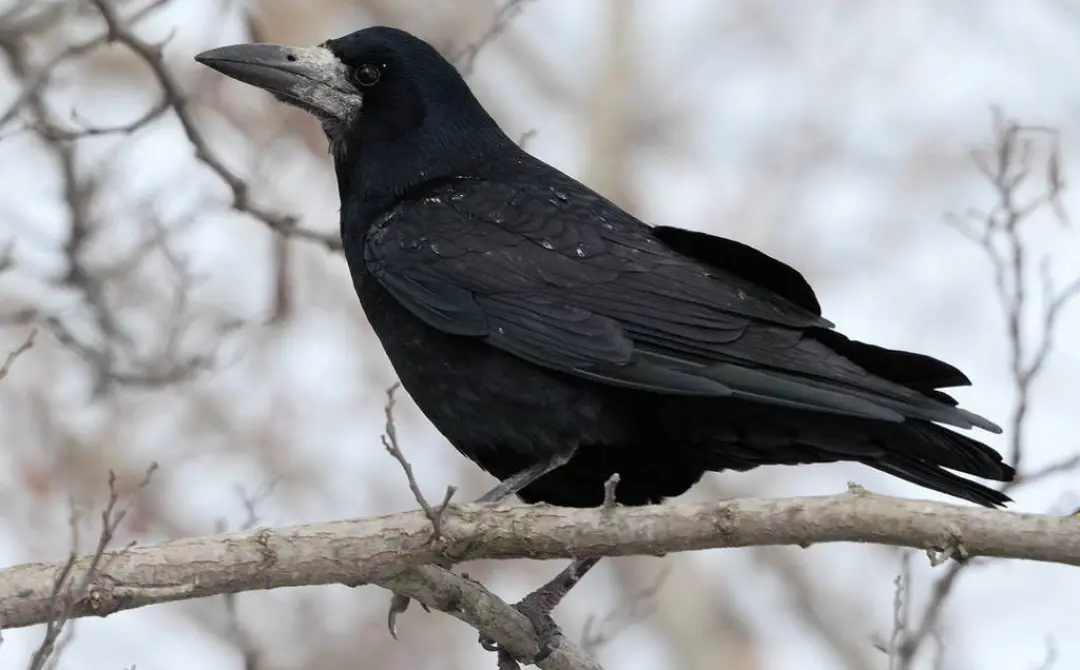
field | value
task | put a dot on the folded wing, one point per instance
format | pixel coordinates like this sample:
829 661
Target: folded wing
564 279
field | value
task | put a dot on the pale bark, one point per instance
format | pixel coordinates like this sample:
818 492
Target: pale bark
392 550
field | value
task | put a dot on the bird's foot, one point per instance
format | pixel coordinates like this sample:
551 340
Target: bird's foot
537 608
538 605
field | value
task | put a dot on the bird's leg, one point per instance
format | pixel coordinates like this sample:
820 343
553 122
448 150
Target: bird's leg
537 606
520 480
505 489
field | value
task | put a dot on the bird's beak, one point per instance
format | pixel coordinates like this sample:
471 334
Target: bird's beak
311 78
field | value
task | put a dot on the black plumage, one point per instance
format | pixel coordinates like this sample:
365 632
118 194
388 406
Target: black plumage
532 319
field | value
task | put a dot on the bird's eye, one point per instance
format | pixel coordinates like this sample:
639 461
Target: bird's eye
366 75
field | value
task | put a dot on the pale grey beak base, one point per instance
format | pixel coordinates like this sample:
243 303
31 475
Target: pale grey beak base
311 78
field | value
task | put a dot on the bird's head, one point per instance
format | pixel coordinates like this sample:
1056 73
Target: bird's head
394 110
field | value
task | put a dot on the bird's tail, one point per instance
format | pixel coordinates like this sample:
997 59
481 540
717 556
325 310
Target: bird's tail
939 479
917 451
929 455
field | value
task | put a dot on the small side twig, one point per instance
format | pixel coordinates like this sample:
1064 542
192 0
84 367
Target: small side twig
609 490
400 603
900 614
390 442
466 59
27 344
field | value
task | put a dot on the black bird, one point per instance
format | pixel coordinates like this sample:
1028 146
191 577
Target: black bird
555 339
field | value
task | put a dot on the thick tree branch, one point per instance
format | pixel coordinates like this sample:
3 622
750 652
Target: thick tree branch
393 550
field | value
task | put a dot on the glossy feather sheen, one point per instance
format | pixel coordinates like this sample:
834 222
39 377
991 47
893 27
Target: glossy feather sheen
526 315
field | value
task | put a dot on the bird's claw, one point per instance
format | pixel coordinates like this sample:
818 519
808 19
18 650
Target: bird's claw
398 604
547 631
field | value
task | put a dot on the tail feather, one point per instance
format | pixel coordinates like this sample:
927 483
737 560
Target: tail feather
915 371
920 452
870 441
926 454
938 446
936 478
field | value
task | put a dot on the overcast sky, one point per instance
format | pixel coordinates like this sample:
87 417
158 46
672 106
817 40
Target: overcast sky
902 83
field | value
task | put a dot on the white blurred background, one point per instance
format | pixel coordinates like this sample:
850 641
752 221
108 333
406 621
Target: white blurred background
835 135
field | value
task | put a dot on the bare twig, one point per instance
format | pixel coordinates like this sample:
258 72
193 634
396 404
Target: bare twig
900 613
119 31
71 590
140 374
609 490
639 606
1051 657
249 651
27 344
79 192
33 84
1031 477
400 603
251 501
504 15
1008 163
390 442
281 303
87 130
811 600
